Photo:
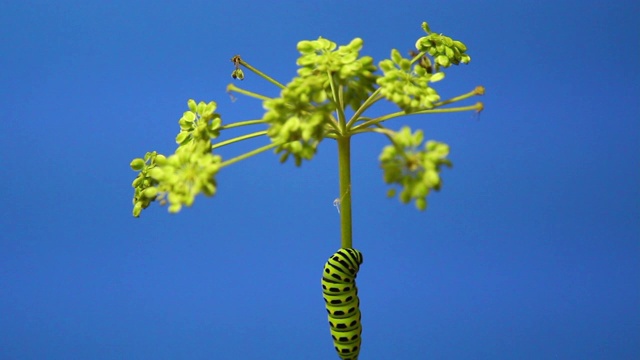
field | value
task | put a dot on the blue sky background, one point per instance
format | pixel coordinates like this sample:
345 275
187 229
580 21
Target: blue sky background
530 251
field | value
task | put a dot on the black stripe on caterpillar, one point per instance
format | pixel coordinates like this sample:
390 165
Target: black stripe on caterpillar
341 299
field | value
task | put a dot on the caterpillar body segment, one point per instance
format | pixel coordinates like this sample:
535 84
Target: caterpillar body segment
341 299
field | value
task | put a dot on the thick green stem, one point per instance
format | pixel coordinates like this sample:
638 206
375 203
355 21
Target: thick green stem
344 168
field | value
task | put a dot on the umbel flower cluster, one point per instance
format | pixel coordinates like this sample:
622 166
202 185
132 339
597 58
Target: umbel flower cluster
298 118
334 87
190 171
416 169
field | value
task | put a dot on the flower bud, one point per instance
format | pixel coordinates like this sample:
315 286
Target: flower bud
137 164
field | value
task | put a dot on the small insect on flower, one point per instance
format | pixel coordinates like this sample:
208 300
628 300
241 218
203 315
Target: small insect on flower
237 72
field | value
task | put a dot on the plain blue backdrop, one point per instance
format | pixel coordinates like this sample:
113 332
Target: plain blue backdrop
530 251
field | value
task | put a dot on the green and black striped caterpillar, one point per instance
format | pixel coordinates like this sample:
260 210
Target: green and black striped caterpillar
341 298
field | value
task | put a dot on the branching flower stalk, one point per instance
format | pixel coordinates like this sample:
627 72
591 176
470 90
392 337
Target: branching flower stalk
328 98
312 107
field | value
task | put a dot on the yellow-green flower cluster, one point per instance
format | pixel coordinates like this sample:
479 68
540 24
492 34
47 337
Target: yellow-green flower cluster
329 76
443 49
416 170
145 191
407 84
191 170
199 123
296 119
344 65
184 175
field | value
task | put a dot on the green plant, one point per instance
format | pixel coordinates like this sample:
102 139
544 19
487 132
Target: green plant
328 98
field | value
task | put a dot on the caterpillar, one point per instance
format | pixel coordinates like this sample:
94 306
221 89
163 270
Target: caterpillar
341 299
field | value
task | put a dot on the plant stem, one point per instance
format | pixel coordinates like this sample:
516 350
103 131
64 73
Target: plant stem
232 87
370 101
344 169
242 123
249 154
475 92
239 138
337 99
418 56
261 74
358 128
380 130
